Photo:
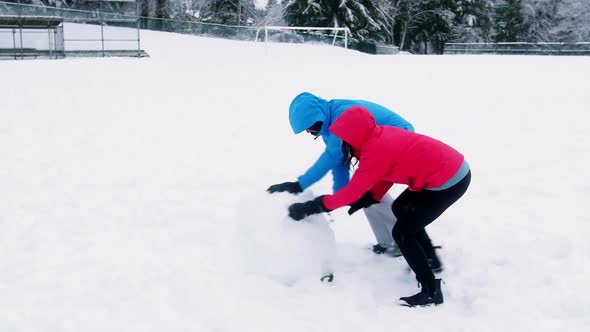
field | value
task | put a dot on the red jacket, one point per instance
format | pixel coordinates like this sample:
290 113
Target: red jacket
389 155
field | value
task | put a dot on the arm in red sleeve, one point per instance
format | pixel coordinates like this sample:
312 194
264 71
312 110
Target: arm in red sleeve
380 189
365 177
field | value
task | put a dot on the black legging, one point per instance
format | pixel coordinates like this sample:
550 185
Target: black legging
414 210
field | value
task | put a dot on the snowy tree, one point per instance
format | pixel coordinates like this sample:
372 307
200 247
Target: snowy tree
432 26
390 8
274 13
573 21
540 18
510 22
232 12
364 19
193 8
556 20
405 13
163 8
420 23
473 21
425 26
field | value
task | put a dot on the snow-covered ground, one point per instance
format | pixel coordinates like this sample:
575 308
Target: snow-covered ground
132 192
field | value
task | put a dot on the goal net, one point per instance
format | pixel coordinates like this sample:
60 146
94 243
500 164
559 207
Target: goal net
286 34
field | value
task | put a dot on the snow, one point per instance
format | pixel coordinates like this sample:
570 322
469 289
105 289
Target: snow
261 4
132 192
309 246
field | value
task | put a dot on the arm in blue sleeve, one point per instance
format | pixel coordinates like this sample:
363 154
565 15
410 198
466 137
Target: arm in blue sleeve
331 158
317 171
341 174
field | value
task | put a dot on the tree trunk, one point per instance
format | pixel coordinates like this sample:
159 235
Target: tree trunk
404 33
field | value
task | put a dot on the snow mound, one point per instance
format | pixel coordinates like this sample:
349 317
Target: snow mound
275 246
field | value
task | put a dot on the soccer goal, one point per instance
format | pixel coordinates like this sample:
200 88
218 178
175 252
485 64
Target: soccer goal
302 34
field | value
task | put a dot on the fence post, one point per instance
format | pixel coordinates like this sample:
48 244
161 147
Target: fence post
101 28
14 42
20 26
55 39
138 28
334 39
346 38
49 39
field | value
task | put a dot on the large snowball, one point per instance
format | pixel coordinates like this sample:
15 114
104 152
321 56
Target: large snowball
276 246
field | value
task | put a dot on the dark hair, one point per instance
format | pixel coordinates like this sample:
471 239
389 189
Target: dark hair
347 153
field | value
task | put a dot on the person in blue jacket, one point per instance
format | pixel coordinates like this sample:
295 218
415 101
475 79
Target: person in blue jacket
315 115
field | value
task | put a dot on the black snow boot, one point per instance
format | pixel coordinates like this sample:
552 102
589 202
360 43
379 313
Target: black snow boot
430 294
379 249
390 251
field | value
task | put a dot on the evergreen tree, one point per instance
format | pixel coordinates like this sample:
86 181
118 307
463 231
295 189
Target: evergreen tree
364 19
163 8
556 20
230 12
540 18
418 25
473 21
406 10
573 21
510 23
274 13
390 10
193 8
421 23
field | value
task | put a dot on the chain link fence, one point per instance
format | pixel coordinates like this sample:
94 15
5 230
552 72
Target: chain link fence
112 28
198 28
245 33
109 30
519 48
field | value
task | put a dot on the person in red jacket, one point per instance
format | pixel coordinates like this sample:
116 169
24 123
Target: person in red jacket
435 173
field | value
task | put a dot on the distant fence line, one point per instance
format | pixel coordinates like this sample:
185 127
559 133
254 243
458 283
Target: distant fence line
132 19
198 28
582 48
67 14
246 33
25 22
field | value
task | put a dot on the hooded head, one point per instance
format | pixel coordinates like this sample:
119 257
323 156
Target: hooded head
354 126
306 110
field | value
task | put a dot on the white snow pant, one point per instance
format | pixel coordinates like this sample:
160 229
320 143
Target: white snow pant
382 220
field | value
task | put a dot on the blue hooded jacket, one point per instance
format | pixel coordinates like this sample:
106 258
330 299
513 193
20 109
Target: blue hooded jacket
306 109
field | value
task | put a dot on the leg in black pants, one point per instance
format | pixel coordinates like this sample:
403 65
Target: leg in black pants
415 210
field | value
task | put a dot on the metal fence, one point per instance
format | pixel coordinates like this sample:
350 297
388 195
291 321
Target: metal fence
519 48
198 28
32 38
247 33
117 32
296 34
106 33
93 10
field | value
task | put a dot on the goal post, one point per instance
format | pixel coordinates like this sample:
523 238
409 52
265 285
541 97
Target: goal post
334 32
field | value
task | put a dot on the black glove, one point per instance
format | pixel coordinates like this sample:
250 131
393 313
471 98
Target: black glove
299 211
364 202
290 187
